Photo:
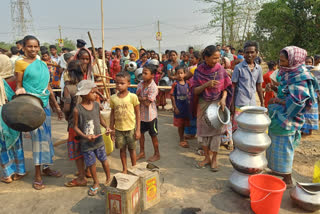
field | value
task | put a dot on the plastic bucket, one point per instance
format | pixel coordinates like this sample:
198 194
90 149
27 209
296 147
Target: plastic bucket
266 193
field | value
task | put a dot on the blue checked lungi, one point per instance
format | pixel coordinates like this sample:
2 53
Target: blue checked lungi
281 152
311 119
12 160
42 146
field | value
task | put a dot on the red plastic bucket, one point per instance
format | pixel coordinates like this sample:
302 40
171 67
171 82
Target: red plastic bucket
266 193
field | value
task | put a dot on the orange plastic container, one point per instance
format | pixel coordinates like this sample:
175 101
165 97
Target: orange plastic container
266 193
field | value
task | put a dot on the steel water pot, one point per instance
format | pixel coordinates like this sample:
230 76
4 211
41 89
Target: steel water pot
306 196
247 162
251 142
165 81
239 183
132 66
215 117
138 74
24 113
254 119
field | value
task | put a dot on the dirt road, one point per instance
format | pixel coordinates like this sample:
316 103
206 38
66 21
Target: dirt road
183 186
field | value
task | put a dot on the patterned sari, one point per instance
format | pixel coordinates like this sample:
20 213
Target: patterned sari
11 149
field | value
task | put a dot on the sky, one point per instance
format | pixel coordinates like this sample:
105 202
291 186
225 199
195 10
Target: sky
125 21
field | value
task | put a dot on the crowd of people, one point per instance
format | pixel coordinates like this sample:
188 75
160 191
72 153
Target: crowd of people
289 89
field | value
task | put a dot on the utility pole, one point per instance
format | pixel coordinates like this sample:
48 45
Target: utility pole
60 37
160 38
222 23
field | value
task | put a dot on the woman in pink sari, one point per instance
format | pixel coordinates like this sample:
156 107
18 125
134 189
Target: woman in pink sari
211 84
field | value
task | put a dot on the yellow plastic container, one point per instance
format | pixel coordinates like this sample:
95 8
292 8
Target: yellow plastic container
108 143
316 174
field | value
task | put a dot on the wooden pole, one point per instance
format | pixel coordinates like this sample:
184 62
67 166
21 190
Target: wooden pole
96 58
103 47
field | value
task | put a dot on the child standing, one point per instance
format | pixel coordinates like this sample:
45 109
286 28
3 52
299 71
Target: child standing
125 119
87 120
147 92
180 103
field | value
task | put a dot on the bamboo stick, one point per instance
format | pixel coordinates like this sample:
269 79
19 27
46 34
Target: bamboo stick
113 85
96 58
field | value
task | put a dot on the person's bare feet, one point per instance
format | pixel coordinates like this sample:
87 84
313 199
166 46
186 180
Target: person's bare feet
125 172
141 156
154 158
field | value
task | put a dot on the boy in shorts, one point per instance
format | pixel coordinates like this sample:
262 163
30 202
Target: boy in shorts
147 92
125 119
87 121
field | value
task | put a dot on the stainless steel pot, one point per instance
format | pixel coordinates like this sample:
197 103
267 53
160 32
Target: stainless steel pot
239 183
251 142
247 162
132 66
138 74
254 119
306 196
24 113
165 81
215 117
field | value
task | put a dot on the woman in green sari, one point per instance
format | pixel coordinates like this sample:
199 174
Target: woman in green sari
33 78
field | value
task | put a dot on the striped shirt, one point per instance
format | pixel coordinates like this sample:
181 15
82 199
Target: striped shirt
148 113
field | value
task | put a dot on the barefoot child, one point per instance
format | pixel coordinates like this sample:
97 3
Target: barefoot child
125 119
180 103
147 92
87 120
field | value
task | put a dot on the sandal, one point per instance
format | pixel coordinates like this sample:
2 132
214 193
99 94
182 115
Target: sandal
214 169
7 180
17 177
93 191
52 173
75 183
199 166
38 185
184 144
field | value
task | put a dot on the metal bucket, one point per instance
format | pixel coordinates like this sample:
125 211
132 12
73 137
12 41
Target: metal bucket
24 113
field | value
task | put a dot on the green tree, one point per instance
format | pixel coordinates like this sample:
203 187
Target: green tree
67 43
234 18
288 22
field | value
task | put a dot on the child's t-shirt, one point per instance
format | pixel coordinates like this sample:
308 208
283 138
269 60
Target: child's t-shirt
181 97
124 115
89 124
148 113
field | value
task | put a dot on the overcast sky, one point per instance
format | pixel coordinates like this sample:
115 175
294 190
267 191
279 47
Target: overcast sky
126 21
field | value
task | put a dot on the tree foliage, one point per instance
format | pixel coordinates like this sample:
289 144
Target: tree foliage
288 22
233 18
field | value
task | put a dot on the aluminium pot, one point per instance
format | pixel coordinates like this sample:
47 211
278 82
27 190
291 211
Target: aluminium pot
24 113
132 66
253 118
250 141
239 183
247 162
165 81
138 74
215 117
306 196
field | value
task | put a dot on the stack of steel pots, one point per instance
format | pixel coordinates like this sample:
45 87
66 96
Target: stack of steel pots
251 141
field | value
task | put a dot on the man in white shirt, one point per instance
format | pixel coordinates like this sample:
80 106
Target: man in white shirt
15 55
